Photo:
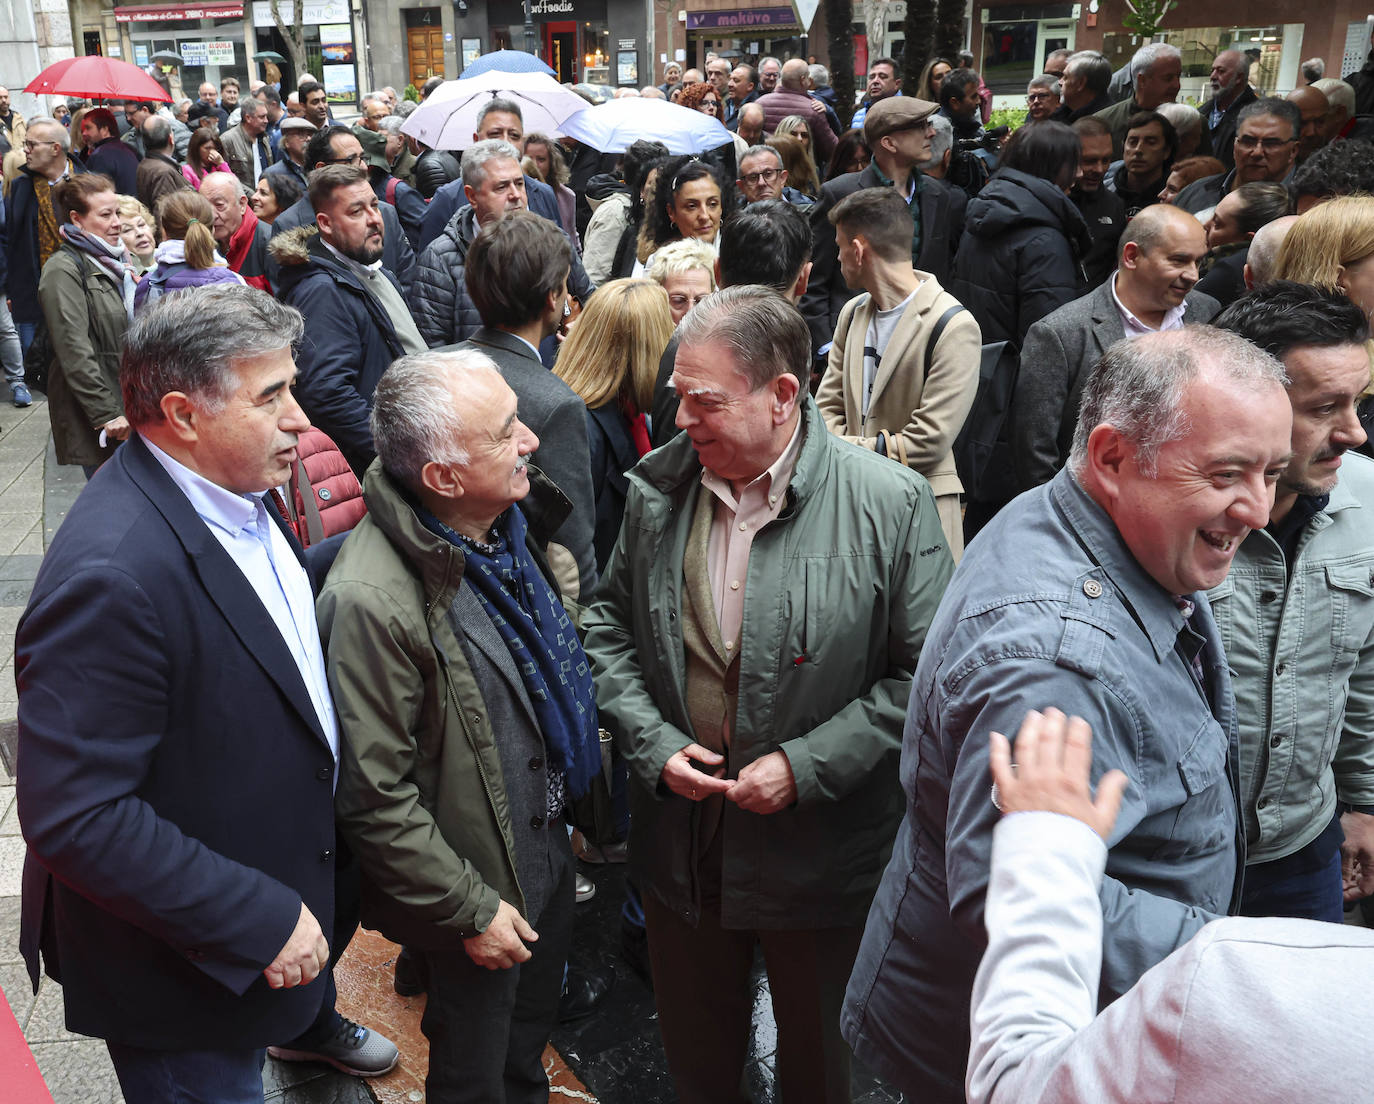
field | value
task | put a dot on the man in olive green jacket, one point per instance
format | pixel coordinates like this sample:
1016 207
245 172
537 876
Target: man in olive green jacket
452 782
758 686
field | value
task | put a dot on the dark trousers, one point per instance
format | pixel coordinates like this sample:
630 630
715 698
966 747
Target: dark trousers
487 1029
705 1002
188 1076
1306 885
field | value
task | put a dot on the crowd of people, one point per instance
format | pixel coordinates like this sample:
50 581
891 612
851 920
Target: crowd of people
720 507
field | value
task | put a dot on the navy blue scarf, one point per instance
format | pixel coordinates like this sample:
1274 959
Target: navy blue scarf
543 643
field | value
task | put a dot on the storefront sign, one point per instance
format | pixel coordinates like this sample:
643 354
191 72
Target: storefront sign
220 53
194 53
315 12
229 10
741 18
552 7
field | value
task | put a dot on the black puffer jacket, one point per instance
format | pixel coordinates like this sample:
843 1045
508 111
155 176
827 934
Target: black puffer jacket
1019 257
439 300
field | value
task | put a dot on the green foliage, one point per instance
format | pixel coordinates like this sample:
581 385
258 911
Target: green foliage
411 93
1012 117
1143 17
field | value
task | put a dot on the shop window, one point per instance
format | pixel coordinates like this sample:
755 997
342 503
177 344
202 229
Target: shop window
1008 58
597 62
1200 45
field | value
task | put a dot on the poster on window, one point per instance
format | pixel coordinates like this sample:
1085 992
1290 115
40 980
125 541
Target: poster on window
340 83
193 53
336 43
627 67
220 53
141 54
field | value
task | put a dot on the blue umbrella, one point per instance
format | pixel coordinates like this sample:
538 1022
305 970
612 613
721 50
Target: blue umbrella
506 61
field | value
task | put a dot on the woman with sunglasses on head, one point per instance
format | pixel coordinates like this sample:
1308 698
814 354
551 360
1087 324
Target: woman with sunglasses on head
690 199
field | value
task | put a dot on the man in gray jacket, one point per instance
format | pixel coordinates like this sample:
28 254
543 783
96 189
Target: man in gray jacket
1151 289
1297 617
1101 610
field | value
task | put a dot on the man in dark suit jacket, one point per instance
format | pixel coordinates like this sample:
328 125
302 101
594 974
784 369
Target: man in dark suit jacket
897 131
177 740
517 274
1152 289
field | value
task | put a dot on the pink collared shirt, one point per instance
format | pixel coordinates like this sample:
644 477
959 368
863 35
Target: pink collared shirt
733 528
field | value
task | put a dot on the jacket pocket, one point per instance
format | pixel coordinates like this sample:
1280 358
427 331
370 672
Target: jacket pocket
1351 589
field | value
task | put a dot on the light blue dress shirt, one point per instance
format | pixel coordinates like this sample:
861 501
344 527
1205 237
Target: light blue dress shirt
256 543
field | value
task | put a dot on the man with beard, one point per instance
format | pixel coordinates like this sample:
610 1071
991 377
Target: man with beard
1297 618
1231 91
1102 209
1150 146
357 322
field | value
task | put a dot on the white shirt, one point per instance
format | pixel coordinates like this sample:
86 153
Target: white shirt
1173 317
242 524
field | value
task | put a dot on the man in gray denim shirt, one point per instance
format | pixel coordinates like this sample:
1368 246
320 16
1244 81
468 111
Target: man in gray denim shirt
1296 616
1078 595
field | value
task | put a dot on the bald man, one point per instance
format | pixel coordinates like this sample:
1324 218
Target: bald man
1264 250
1150 291
790 98
1313 105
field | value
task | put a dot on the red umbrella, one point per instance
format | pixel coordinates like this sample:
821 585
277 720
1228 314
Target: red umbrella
98 78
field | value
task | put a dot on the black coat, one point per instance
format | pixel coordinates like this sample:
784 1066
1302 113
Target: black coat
397 256
349 341
1223 136
433 169
942 220
613 454
1019 257
21 242
1105 214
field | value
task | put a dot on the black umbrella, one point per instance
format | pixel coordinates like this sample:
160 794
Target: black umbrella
268 55
168 56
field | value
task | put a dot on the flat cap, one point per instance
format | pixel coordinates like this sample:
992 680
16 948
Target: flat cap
298 123
895 113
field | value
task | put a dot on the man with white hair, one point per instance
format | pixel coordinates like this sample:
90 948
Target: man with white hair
1341 119
1042 98
1231 91
469 718
1158 69
1083 87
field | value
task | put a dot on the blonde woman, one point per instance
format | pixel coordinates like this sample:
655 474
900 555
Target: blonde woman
611 360
1332 246
686 270
136 228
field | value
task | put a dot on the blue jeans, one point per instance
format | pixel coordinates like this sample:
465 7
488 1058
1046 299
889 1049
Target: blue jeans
1306 885
26 333
190 1076
11 353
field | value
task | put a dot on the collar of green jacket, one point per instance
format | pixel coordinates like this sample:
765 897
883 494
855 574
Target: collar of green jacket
676 463
438 562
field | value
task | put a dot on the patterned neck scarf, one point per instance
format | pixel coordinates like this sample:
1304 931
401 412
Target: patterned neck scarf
48 239
543 643
112 258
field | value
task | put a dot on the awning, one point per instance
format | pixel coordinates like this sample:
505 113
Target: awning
744 20
228 9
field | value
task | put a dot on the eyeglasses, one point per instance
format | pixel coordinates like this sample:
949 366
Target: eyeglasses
686 302
1270 145
29 144
714 105
354 159
767 176
1034 96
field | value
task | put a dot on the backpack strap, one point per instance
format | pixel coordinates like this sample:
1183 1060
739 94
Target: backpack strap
938 332
391 183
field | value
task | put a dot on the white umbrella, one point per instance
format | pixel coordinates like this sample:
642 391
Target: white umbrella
615 126
448 118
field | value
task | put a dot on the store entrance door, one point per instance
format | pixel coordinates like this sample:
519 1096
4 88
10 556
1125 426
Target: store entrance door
425 46
560 50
